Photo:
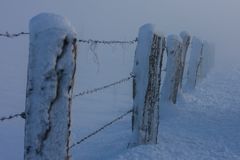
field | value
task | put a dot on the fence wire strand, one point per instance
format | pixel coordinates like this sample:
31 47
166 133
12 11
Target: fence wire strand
100 129
89 41
104 87
13 35
22 115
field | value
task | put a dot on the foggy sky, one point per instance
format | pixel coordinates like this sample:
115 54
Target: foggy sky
213 20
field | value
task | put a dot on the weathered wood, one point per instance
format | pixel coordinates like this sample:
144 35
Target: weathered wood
173 72
146 85
51 70
185 41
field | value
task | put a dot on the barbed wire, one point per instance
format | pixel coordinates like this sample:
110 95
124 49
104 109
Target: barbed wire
22 115
104 87
100 129
13 35
89 41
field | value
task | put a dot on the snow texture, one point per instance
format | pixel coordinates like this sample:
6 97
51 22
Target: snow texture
172 77
51 69
46 21
202 125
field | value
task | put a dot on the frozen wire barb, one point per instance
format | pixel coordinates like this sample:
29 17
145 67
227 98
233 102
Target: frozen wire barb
22 115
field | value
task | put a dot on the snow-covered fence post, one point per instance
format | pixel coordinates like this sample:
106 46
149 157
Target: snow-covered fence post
207 59
146 85
51 70
212 55
173 73
186 41
204 65
194 63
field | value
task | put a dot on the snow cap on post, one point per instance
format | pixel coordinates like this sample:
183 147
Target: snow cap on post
45 21
145 36
173 41
185 35
196 44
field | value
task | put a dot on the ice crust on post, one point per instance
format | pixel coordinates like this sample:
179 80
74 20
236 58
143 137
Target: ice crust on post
51 70
146 84
172 77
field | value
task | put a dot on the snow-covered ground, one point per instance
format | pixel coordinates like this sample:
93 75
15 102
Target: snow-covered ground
203 125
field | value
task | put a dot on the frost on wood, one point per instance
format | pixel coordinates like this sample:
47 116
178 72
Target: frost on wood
173 73
51 70
146 84
194 63
186 41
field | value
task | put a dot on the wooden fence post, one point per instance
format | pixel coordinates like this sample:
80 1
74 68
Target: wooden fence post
173 73
51 70
186 41
212 55
146 85
207 59
194 63
204 65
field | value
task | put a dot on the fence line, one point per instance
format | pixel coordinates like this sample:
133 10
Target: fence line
104 87
88 41
13 35
100 129
22 115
